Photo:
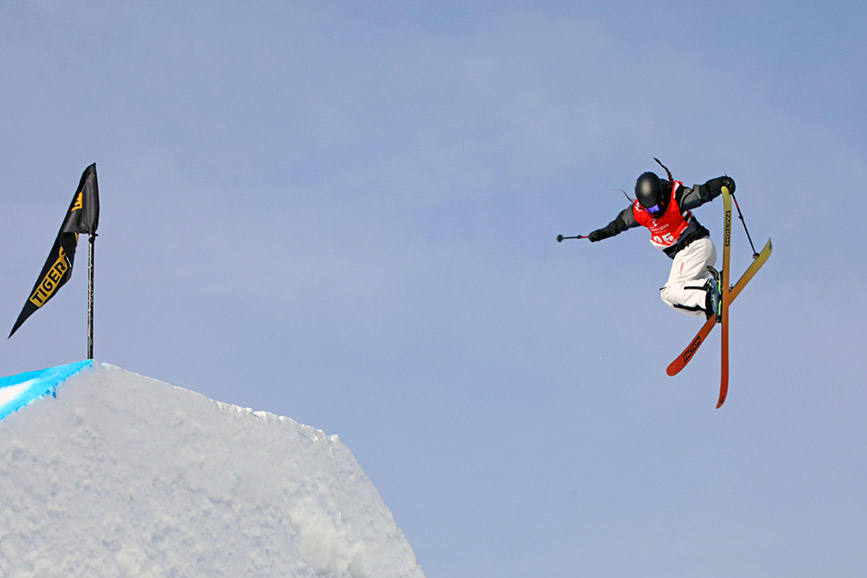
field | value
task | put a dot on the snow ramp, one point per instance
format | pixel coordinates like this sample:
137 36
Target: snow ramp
107 473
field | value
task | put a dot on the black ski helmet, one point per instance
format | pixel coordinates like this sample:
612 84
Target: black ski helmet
649 192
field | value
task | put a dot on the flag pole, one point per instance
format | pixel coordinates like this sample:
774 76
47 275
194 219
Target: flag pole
92 237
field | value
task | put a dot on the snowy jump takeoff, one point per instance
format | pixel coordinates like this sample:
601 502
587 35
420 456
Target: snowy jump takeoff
694 286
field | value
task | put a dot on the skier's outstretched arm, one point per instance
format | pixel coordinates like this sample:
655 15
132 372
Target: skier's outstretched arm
690 198
624 220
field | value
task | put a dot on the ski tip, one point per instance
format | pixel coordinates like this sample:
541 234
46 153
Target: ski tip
720 403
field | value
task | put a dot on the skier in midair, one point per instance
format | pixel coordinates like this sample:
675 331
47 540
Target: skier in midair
664 207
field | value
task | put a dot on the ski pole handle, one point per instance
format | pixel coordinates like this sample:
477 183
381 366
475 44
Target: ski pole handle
561 237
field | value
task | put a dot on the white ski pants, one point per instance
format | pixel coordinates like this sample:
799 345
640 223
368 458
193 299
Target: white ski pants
685 289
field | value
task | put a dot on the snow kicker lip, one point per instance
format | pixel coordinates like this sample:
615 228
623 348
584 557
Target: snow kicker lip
16 391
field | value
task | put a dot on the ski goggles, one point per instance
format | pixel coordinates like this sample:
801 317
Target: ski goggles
654 210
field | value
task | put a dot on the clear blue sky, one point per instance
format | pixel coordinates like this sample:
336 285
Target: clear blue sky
345 213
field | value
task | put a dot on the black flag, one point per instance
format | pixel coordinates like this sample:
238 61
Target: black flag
82 217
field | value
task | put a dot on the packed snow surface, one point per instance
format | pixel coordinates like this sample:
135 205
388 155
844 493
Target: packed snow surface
122 475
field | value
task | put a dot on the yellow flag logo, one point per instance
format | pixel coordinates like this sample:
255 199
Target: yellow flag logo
79 202
45 289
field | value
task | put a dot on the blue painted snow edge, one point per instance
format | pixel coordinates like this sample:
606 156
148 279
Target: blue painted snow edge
16 391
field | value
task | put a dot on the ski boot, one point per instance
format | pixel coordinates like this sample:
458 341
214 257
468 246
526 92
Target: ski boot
713 301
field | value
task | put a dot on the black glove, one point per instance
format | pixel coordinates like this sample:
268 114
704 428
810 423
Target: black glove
728 182
598 235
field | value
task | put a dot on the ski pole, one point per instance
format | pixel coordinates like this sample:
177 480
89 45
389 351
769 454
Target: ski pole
561 237
741 217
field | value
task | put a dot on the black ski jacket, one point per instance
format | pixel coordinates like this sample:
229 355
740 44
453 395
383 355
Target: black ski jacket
687 199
